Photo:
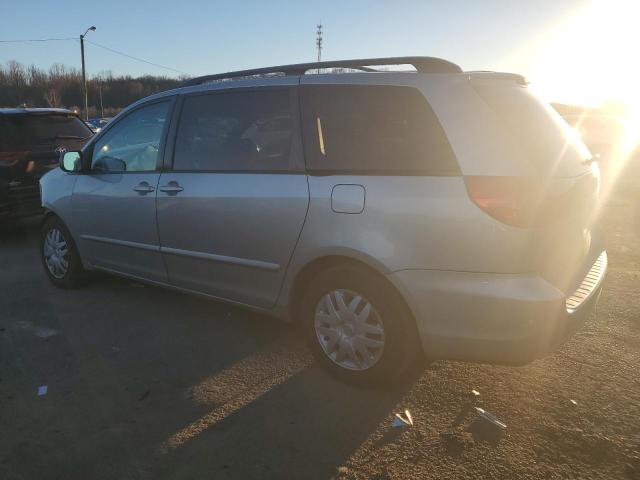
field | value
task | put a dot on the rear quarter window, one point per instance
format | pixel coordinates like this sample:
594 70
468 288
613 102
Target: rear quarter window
546 141
385 130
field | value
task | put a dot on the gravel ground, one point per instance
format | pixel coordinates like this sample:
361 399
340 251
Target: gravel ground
145 384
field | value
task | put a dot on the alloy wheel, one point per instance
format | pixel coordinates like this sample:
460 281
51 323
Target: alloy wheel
349 330
56 253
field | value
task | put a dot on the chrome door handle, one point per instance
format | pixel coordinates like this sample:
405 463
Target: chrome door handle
171 188
143 188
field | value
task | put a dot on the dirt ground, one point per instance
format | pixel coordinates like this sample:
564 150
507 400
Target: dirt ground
147 384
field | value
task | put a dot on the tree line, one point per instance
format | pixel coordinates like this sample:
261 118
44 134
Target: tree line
61 86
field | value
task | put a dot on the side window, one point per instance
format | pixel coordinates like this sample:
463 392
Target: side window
133 143
237 130
374 129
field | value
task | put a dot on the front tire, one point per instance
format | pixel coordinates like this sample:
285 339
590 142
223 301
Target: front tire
357 325
59 255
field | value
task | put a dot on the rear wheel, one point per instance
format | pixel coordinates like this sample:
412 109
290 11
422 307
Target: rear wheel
59 255
357 326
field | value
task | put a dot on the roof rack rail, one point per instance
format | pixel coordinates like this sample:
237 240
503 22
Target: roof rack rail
421 64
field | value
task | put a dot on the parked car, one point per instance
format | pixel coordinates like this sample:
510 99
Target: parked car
389 213
30 142
602 134
97 124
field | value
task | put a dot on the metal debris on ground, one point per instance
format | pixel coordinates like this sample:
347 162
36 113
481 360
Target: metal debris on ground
399 421
144 395
475 394
573 401
491 418
42 390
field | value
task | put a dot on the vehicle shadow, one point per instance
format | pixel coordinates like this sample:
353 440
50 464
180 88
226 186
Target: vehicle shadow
148 383
19 232
145 382
305 427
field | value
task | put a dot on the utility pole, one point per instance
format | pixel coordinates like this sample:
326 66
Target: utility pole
319 44
84 75
101 108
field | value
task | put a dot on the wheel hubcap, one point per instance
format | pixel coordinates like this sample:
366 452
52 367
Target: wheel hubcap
56 253
349 329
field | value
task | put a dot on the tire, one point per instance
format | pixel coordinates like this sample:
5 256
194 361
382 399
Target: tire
361 361
63 267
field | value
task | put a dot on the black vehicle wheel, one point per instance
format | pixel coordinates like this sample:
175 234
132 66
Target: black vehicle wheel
59 255
357 326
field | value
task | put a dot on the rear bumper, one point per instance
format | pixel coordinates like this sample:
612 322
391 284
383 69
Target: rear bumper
496 318
19 199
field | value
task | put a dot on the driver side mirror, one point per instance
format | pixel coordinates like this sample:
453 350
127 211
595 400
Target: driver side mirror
71 161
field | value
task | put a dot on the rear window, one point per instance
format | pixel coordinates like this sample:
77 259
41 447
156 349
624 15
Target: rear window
385 130
549 143
23 130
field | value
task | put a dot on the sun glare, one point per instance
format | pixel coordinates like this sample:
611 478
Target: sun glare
589 59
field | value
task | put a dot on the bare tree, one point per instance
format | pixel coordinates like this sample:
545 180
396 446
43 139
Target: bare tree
61 86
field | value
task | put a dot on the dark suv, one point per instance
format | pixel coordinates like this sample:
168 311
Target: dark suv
30 143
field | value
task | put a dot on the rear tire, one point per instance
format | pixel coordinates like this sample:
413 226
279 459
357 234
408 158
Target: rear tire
357 326
59 255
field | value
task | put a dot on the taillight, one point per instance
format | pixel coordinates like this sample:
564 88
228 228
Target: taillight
8 159
515 201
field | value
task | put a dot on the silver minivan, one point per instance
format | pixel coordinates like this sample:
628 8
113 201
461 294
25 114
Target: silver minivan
390 213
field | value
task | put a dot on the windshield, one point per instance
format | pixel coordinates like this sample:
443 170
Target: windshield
21 130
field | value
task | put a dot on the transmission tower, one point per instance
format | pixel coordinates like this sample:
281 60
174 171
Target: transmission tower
319 41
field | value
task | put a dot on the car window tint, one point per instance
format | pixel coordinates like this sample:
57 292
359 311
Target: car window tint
235 131
374 129
133 143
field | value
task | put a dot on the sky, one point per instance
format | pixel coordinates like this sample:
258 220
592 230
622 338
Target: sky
574 51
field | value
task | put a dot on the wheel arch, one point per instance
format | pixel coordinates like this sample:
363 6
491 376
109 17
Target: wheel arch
49 214
312 267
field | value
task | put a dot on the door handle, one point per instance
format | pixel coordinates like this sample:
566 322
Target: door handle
171 188
143 188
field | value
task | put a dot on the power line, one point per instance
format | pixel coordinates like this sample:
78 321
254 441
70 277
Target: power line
136 58
97 45
36 40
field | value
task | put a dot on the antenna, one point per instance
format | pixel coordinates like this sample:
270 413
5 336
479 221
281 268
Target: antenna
319 43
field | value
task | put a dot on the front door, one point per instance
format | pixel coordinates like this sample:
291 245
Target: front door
232 207
115 202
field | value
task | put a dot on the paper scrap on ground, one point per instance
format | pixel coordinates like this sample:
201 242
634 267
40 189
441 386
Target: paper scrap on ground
41 332
400 421
44 332
42 390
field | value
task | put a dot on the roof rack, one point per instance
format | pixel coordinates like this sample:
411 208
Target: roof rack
421 64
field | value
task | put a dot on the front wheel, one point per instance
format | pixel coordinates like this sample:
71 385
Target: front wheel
59 255
357 326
